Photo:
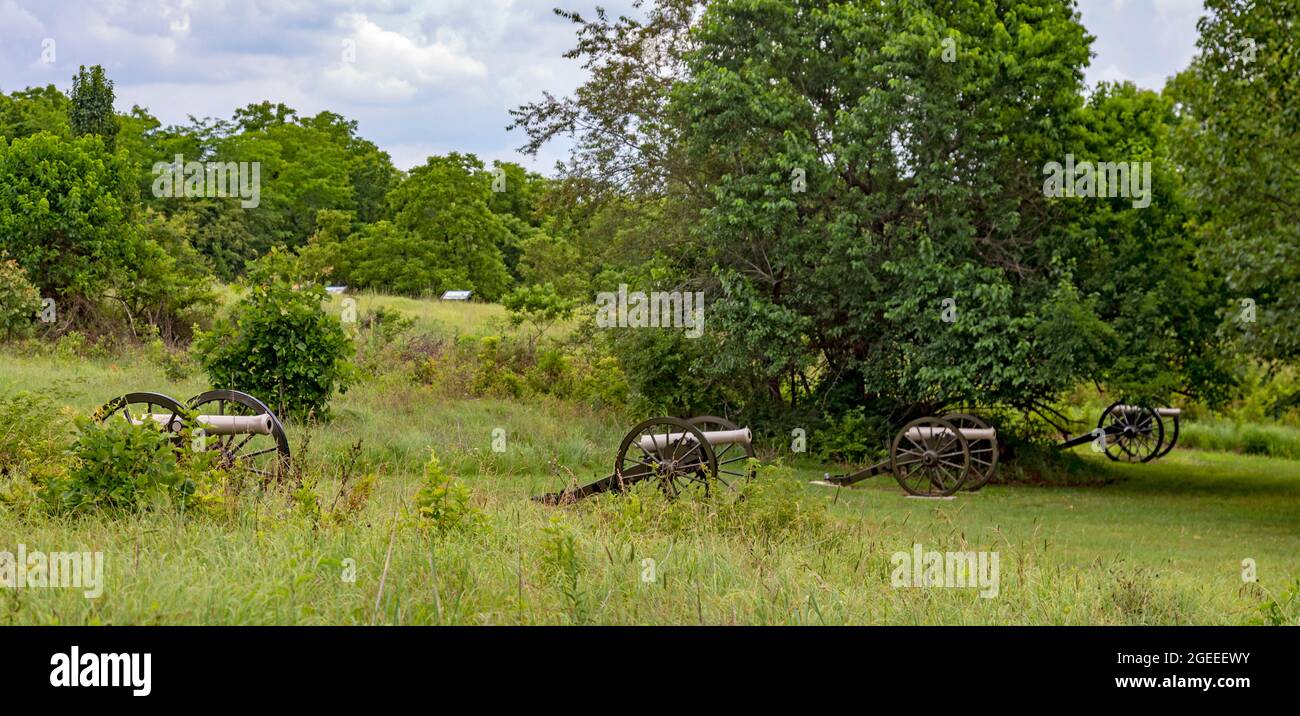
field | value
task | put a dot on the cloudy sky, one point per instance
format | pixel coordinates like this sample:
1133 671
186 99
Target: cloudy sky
429 76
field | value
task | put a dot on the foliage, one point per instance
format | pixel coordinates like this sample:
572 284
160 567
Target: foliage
67 213
92 106
19 302
121 464
540 306
279 344
443 502
440 213
1238 147
34 110
853 437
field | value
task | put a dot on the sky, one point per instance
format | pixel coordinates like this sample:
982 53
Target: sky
420 77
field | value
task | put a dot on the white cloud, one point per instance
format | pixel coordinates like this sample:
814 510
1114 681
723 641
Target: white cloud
378 65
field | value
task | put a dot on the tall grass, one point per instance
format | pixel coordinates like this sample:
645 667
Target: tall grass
1247 438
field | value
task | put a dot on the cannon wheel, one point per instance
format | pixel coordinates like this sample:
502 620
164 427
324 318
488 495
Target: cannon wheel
132 405
729 454
935 466
1172 441
684 464
264 455
1140 435
983 453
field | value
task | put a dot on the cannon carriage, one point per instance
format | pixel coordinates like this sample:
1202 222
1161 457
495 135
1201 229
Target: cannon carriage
934 457
1132 433
702 454
242 432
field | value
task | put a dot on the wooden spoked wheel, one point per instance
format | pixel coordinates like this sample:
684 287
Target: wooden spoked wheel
983 452
135 408
733 460
265 455
1133 433
671 451
930 458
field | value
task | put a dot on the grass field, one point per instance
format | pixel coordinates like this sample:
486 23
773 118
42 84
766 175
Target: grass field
1155 544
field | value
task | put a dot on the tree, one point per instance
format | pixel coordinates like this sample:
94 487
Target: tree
69 215
92 105
863 184
1239 145
443 207
541 307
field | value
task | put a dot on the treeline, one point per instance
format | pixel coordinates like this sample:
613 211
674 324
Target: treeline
126 223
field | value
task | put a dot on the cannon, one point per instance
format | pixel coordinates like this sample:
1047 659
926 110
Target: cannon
934 457
240 430
1132 433
679 454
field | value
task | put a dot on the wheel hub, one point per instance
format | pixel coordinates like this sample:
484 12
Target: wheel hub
930 458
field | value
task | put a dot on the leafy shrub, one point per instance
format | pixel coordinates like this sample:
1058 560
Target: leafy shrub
493 375
540 307
443 502
19 302
175 363
853 438
279 343
603 383
118 464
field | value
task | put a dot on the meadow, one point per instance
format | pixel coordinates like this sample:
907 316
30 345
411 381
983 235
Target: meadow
1162 543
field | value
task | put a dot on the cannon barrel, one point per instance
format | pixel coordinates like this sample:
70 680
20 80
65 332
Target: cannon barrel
925 433
217 424
742 436
1162 412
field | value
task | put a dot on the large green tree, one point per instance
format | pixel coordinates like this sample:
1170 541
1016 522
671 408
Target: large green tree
1239 147
858 187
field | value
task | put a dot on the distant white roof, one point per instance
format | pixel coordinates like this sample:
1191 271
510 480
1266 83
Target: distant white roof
336 289
456 295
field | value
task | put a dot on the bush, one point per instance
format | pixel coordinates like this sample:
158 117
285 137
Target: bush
279 343
443 502
854 438
118 464
19 302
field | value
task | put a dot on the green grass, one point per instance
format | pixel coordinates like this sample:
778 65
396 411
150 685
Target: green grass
1249 438
433 315
1155 544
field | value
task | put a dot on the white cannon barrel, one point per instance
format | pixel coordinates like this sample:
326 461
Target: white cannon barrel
716 437
926 433
1162 412
218 424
